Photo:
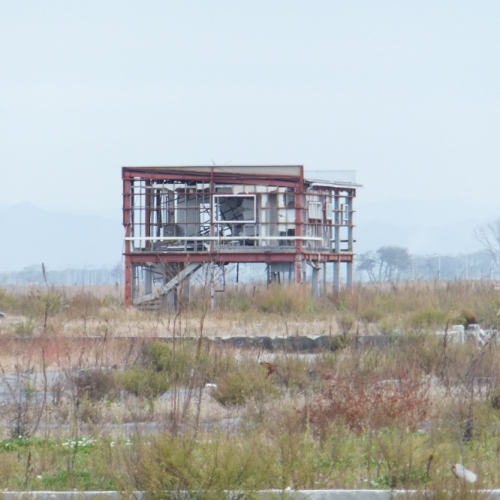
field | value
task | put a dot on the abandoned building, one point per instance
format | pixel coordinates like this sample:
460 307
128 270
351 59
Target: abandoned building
179 220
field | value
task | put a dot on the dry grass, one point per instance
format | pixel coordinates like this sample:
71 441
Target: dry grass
395 416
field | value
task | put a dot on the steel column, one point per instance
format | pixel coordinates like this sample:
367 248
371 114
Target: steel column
128 224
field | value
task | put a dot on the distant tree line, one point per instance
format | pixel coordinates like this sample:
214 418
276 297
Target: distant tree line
86 276
393 264
389 263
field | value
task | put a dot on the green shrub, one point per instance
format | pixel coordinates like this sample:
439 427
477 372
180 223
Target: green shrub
285 300
339 342
372 315
293 372
236 388
428 318
144 382
215 467
25 328
389 325
39 304
159 357
8 302
235 300
466 317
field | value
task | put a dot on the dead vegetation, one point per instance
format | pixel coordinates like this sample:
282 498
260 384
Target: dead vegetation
85 405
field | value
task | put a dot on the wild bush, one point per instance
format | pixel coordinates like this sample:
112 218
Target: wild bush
144 382
95 384
236 300
82 304
431 317
367 405
25 328
372 315
285 300
294 373
215 466
8 302
160 357
42 303
249 381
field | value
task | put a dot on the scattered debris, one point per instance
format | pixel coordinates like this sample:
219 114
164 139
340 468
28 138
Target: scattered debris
462 473
459 334
2 315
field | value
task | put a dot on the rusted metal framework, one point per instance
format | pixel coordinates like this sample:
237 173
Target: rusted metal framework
178 219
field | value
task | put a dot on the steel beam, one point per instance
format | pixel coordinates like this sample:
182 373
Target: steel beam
234 257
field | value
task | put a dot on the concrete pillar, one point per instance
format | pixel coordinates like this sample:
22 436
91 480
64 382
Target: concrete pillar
350 239
315 281
336 276
148 280
298 270
336 220
350 218
134 285
323 291
336 236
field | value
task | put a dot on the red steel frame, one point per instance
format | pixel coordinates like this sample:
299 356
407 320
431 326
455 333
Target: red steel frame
149 174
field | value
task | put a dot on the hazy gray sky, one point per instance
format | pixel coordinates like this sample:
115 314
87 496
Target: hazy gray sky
405 92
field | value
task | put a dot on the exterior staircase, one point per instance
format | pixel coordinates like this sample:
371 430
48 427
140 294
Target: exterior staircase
154 300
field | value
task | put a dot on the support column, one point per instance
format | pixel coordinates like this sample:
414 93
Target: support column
336 264
323 291
336 276
148 280
127 221
298 269
128 281
315 280
350 239
135 281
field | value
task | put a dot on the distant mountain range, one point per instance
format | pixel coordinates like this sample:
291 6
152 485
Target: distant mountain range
63 238
444 227
32 235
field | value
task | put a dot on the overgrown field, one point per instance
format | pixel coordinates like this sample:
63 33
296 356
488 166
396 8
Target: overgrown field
97 396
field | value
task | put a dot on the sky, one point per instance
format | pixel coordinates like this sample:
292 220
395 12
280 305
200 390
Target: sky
404 92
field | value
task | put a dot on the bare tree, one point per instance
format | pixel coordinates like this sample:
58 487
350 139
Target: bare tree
367 262
489 238
388 263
